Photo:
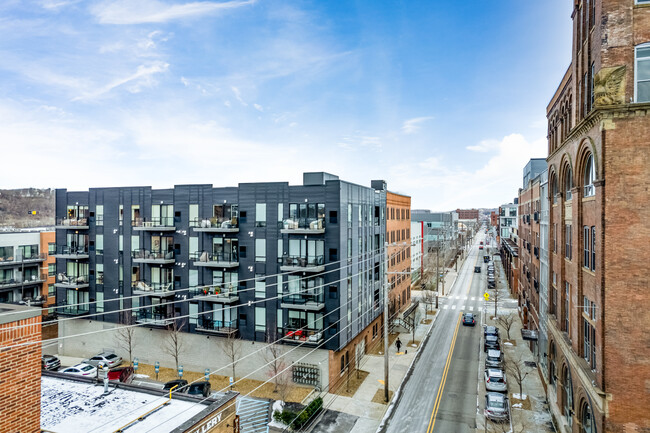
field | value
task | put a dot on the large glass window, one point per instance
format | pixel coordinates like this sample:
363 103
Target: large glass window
260 214
99 244
567 241
99 215
587 243
568 184
642 73
260 250
260 319
260 287
593 248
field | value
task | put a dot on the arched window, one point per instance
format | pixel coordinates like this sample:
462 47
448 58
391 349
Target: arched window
551 366
568 183
554 188
590 177
586 419
567 394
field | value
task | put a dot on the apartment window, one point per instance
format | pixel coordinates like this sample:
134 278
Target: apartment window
567 240
333 217
260 287
587 243
593 248
51 291
260 214
194 215
567 290
51 269
99 212
642 72
554 238
349 215
99 273
589 177
568 184
260 250
280 212
51 248
121 214
260 319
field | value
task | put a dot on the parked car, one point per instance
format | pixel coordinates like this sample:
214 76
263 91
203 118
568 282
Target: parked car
180 385
109 359
480 247
493 359
490 330
469 319
121 374
477 269
496 407
495 380
491 342
199 388
50 362
82 369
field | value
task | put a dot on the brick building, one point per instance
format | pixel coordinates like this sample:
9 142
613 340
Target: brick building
467 214
529 255
20 368
598 149
398 231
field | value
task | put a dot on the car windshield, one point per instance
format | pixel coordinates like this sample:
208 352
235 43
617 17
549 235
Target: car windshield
86 368
497 403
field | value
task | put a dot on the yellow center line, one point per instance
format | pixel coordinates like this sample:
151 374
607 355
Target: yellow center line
472 277
432 420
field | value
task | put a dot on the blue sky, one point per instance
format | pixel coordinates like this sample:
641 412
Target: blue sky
445 100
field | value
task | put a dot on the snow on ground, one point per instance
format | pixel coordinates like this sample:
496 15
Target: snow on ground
517 405
141 376
507 343
278 405
518 396
69 406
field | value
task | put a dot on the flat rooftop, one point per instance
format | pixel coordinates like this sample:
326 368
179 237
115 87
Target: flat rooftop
72 406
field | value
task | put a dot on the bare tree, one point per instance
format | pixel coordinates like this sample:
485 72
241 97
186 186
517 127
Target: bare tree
518 370
125 336
507 322
277 369
174 341
428 298
417 316
231 346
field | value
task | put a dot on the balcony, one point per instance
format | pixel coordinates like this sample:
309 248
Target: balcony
19 282
306 336
218 260
303 301
217 327
153 257
215 225
161 290
302 264
72 224
162 224
72 281
18 259
38 301
71 252
303 226
72 310
154 319
220 294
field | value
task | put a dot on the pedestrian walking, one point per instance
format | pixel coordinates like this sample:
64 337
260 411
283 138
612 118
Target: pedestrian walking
398 344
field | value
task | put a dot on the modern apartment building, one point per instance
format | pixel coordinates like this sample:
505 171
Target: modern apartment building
598 124
398 236
508 244
25 267
262 261
416 251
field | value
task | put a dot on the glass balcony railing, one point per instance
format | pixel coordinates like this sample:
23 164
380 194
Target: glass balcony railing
73 310
71 250
72 222
32 257
215 223
303 298
154 318
167 222
303 224
302 335
159 255
72 280
29 279
302 262
218 325
225 290
143 286
204 256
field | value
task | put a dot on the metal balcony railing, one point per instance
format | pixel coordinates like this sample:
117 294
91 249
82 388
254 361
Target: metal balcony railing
153 222
302 262
72 222
226 290
18 258
218 325
71 250
72 280
302 335
303 224
143 286
215 223
303 298
204 256
144 254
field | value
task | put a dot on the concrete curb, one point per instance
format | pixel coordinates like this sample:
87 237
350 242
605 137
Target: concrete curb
409 372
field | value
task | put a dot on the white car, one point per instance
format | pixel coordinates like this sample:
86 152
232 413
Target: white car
495 380
109 359
82 369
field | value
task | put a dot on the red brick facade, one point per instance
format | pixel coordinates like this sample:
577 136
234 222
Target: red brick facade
529 243
398 231
598 176
20 372
467 214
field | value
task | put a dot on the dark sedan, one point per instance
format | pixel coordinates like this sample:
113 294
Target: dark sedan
491 342
469 319
199 388
178 385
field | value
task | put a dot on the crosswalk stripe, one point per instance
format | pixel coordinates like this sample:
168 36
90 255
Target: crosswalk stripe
453 307
471 308
473 298
462 308
445 307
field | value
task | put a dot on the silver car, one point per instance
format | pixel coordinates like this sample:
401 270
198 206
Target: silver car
496 406
495 380
109 359
493 359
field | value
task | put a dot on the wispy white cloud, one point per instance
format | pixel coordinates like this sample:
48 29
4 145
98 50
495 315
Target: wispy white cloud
154 11
258 107
411 126
356 141
57 4
142 77
237 93
484 146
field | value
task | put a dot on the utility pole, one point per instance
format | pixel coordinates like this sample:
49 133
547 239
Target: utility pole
386 322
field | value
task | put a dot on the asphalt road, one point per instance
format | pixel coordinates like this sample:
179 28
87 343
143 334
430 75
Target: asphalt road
441 394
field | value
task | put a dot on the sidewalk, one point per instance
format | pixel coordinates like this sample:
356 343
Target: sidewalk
370 414
530 413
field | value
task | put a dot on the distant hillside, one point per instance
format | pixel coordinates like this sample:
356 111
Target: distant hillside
17 205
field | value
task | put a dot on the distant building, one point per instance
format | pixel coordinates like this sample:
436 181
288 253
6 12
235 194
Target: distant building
494 219
20 368
467 214
416 251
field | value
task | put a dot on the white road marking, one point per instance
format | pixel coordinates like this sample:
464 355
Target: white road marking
473 298
462 308
453 307
445 307
471 308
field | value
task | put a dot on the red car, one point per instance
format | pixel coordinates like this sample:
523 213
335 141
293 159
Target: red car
121 374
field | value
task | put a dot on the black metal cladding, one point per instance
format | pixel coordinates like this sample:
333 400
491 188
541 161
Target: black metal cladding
187 234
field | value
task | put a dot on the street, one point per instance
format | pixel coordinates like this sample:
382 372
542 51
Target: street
441 394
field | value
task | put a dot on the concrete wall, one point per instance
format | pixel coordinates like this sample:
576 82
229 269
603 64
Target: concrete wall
200 351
